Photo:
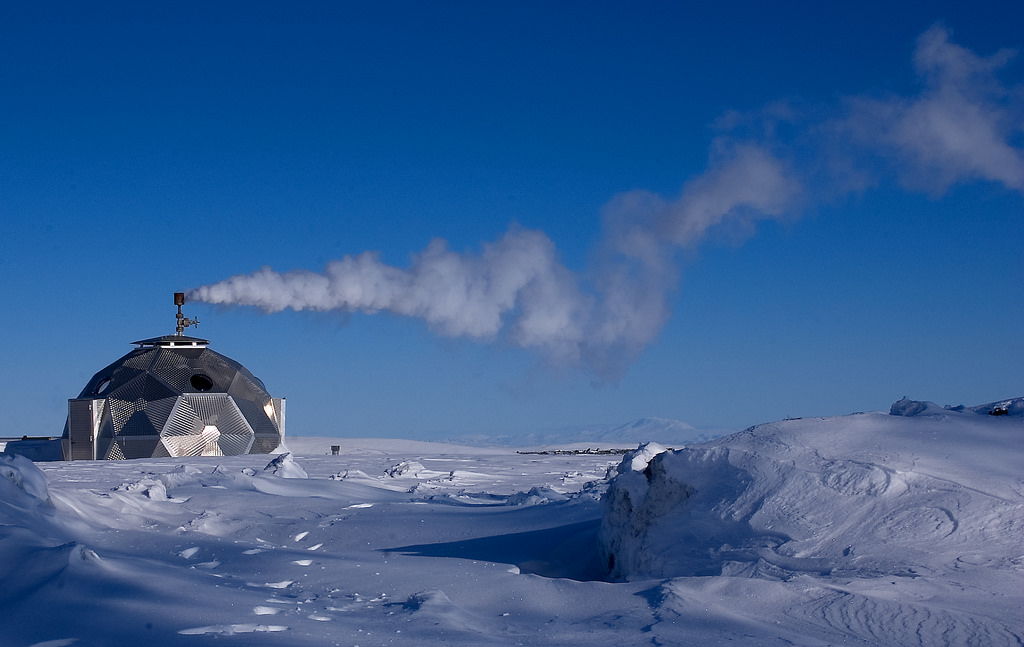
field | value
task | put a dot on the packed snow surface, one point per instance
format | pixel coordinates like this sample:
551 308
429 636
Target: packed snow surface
869 529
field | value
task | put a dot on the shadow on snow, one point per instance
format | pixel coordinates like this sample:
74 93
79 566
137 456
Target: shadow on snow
569 551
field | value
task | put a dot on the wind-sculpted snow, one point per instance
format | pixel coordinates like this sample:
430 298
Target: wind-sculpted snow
286 467
864 530
870 528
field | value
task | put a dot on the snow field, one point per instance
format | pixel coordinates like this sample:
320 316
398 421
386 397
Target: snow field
869 529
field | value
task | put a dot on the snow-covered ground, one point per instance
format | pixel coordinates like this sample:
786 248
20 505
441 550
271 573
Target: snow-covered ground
868 529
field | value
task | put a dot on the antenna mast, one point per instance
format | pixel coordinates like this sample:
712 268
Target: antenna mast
183 322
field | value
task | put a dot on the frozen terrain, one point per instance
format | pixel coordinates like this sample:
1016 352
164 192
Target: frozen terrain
869 529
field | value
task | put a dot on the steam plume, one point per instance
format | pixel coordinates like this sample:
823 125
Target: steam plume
959 128
517 288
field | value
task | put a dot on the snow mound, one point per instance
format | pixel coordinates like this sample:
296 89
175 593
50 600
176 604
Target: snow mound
286 467
536 496
638 459
861 516
411 469
22 485
908 407
435 606
1011 407
37 541
28 518
823 497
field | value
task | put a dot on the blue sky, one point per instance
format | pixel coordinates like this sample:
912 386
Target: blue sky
825 204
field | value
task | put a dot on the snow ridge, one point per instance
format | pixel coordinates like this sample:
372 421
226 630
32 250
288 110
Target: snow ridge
855 520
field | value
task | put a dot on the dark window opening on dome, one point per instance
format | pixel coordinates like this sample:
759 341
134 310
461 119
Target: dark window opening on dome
201 382
102 386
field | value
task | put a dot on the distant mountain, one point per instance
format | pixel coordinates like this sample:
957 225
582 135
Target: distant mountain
667 432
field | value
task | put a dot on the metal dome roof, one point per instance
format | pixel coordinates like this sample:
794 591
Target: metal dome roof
173 396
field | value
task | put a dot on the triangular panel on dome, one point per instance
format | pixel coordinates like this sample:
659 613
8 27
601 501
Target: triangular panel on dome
129 389
159 411
173 369
183 420
232 445
114 453
109 379
220 410
129 401
122 410
141 360
160 451
139 424
182 435
191 446
156 389
215 366
256 414
190 354
244 388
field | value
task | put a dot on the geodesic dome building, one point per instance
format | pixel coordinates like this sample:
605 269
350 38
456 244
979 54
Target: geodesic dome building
170 397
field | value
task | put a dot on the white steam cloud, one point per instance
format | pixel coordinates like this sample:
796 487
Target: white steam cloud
517 288
959 128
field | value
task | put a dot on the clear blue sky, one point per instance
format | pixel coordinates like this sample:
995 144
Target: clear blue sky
839 189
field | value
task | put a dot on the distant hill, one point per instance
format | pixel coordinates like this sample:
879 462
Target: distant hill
661 430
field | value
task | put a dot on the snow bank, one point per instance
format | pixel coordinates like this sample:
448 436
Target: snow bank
908 407
23 486
886 529
867 493
37 543
1011 407
28 518
638 459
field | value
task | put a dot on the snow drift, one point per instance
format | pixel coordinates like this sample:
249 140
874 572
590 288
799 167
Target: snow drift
868 510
